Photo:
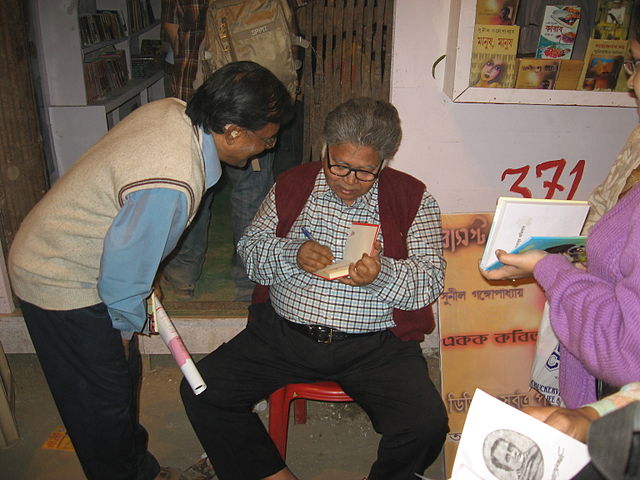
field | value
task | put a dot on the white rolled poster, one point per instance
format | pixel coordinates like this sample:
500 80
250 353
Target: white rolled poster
174 343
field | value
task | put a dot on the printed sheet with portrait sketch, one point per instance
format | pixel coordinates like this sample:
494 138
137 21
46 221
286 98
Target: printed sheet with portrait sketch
499 441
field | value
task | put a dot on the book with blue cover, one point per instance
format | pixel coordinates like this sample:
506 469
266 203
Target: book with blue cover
573 247
517 220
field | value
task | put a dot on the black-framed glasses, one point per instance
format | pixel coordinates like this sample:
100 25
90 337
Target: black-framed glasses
631 66
268 142
343 170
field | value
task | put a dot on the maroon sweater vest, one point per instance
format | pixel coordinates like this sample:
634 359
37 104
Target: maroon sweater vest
399 197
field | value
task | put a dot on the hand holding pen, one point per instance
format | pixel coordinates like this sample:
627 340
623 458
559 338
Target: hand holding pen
307 234
312 256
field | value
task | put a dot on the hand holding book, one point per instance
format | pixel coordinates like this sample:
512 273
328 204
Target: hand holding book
365 270
515 265
361 256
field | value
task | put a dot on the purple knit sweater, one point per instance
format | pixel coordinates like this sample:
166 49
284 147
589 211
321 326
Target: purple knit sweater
596 313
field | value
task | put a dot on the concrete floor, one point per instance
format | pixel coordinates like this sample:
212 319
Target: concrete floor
336 443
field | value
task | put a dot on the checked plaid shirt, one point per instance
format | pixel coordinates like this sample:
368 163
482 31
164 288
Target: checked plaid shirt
190 16
305 298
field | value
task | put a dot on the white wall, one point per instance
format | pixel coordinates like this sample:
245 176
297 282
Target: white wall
461 150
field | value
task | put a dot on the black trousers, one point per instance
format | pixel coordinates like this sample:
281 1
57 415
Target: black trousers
387 377
95 389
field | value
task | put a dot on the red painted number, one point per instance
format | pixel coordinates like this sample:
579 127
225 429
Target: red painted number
552 186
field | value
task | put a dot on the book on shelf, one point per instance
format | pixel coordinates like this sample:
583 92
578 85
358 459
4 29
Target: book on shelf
537 73
569 74
558 31
102 26
140 14
493 56
113 23
151 47
360 240
496 12
517 219
612 19
602 64
104 70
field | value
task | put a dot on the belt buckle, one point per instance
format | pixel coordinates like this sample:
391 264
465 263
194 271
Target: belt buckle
321 334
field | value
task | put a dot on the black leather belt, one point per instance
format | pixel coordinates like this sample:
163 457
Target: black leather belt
323 334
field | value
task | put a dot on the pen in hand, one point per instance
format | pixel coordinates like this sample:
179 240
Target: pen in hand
307 234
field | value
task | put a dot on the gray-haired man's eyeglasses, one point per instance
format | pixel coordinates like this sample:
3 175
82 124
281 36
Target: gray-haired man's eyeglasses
344 171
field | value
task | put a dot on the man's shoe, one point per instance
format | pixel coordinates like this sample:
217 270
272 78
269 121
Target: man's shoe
201 470
183 293
171 473
174 292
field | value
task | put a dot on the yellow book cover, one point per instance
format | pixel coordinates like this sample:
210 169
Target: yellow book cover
539 73
612 19
602 64
570 71
493 58
496 12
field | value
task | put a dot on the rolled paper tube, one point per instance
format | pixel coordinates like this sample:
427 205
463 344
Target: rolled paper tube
172 340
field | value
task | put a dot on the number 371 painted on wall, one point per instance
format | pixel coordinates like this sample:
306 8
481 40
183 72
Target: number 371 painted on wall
553 185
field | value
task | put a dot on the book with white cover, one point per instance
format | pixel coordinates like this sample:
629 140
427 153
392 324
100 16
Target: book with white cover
499 441
360 240
518 219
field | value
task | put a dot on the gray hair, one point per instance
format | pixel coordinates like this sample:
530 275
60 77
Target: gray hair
365 122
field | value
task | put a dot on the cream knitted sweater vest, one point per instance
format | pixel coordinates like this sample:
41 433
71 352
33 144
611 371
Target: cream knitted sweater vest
54 260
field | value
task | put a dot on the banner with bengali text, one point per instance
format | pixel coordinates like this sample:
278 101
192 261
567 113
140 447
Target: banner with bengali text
488 331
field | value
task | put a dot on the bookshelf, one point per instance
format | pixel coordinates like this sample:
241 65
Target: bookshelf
76 115
458 63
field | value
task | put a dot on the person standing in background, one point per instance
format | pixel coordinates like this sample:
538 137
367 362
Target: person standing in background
184 23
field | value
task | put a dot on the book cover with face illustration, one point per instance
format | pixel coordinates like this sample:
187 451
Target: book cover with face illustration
493 58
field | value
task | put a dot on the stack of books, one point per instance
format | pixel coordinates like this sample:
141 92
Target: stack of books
104 71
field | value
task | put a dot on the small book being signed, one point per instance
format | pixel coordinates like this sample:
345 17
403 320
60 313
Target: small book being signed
360 240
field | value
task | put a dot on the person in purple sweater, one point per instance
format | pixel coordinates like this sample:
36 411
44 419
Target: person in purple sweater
594 312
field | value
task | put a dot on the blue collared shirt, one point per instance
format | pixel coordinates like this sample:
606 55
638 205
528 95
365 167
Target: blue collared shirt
145 230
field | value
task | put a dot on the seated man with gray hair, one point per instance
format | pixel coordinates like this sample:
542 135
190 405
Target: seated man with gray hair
362 331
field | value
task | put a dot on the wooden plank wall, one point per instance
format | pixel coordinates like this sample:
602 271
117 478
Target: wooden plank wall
350 56
23 178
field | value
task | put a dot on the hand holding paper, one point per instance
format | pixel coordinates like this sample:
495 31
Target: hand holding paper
499 441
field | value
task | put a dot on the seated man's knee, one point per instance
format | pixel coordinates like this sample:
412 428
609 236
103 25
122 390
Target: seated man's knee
431 424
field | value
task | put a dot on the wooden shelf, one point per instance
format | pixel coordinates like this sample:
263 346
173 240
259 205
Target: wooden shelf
133 87
458 66
72 124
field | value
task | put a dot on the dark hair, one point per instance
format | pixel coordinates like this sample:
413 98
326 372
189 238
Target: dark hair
240 93
367 122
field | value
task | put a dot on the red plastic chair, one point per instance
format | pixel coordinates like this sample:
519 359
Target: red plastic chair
280 400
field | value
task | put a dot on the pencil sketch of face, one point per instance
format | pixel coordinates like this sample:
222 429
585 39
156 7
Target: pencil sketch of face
510 455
